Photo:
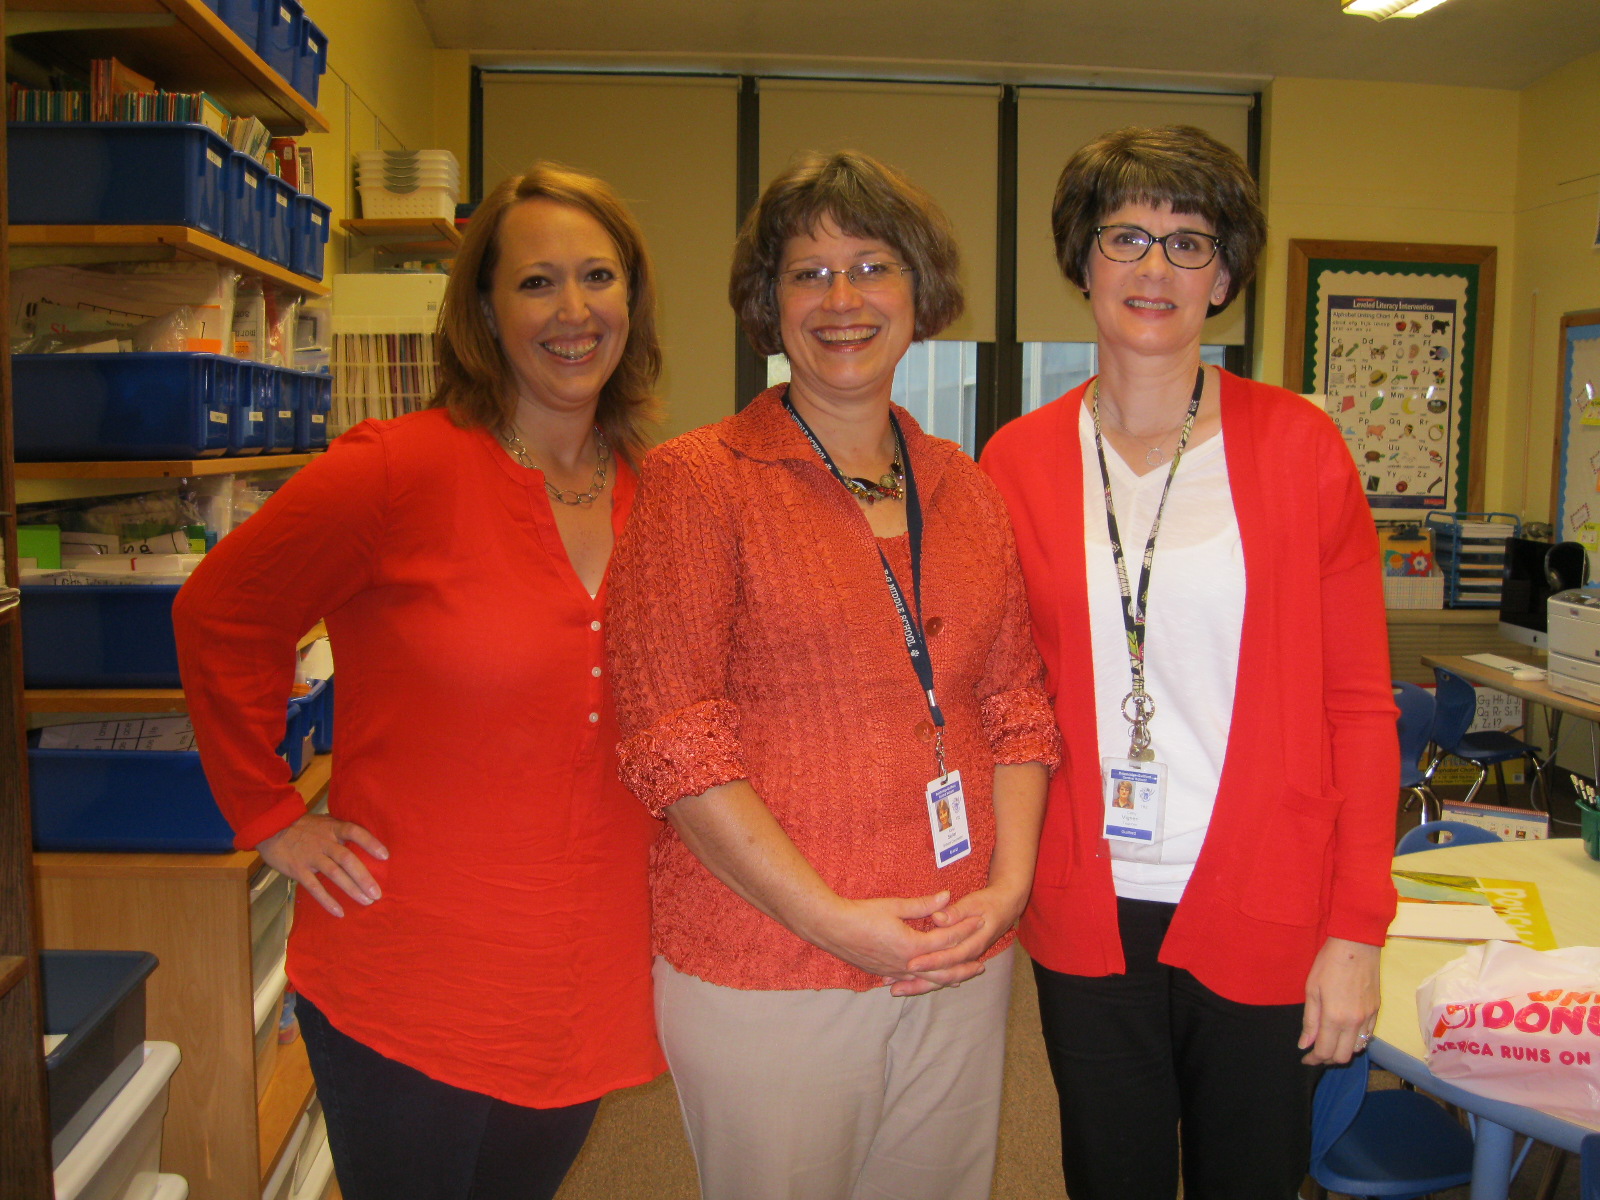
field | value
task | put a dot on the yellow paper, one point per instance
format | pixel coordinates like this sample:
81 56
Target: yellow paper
1516 901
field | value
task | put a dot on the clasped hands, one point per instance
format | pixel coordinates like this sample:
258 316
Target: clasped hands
875 935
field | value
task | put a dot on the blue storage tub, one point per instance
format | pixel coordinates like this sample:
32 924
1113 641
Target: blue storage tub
135 801
70 407
247 428
310 236
311 61
284 397
96 999
246 177
277 220
311 416
278 41
104 635
298 743
243 17
117 173
322 719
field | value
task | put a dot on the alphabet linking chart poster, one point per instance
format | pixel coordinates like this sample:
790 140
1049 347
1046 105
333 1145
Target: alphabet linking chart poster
1577 500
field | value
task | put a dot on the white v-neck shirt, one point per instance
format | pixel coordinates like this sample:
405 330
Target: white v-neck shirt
1193 621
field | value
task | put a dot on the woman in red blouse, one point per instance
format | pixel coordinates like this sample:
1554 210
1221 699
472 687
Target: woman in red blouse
850 831
471 950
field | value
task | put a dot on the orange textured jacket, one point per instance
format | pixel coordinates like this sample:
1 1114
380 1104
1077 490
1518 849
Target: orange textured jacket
510 953
752 636
1302 833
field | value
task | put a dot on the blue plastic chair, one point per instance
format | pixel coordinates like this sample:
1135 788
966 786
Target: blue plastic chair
1451 833
1416 732
1455 707
1387 1143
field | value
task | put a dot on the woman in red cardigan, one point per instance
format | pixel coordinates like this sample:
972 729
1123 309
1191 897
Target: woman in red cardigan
1203 575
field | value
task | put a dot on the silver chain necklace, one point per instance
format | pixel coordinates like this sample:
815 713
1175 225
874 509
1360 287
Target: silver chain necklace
513 443
1154 455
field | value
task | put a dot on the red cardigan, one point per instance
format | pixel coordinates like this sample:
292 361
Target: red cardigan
1302 834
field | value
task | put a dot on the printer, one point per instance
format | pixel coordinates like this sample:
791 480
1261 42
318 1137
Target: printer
1574 624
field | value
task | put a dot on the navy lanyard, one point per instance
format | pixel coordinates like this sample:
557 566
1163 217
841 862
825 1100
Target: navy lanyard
910 616
1137 706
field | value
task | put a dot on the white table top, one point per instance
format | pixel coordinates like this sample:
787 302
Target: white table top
1569 887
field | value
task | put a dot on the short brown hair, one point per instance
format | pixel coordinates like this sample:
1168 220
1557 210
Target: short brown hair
1177 165
475 382
865 198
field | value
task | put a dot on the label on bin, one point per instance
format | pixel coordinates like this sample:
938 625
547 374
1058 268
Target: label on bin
317 419
283 201
250 181
219 418
316 218
286 414
214 158
257 415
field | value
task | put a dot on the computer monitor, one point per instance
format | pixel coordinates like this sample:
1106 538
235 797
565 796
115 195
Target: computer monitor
1533 571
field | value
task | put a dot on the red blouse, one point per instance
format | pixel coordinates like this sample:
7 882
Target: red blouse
753 637
510 952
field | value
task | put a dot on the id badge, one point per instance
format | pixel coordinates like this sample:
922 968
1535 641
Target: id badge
1135 796
947 817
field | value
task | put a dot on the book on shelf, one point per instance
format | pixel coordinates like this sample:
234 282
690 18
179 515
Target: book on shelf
109 81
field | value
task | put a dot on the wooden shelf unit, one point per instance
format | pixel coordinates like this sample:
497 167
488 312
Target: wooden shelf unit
181 468
181 240
190 50
13 970
407 235
193 912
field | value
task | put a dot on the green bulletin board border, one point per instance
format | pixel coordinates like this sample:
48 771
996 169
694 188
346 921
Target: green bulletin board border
1309 260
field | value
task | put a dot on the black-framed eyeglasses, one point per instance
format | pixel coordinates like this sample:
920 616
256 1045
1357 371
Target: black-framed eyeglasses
1129 243
866 277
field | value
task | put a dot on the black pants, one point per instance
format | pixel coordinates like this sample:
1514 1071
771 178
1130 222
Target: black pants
1137 1055
396 1134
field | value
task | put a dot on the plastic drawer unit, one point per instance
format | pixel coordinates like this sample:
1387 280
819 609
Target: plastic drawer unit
311 61
69 407
94 1000
277 220
278 41
309 253
119 1157
117 173
311 415
109 635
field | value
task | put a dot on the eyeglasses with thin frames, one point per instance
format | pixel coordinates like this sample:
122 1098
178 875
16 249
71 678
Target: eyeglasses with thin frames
1129 243
864 277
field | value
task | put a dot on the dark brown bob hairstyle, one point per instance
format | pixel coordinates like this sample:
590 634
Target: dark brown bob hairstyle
1177 165
866 199
475 380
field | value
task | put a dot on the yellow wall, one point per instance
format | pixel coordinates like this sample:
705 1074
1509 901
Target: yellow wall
1558 191
1394 163
377 52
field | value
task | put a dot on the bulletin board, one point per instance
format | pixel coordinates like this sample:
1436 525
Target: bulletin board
1576 503
1395 337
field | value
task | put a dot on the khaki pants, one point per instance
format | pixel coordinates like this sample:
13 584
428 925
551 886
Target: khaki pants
838 1095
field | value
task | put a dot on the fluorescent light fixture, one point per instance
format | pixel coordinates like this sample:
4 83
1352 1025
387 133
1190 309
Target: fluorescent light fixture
1382 10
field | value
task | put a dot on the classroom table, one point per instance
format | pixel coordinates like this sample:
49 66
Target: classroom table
1569 886
1536 691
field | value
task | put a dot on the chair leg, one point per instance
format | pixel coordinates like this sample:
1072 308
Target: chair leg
1483 773
1550 1179
1500 783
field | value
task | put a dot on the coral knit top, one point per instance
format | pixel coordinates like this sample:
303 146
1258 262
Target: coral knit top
509 954
753 637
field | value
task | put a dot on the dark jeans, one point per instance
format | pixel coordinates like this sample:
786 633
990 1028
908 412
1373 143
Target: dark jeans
1137 1055
396 1134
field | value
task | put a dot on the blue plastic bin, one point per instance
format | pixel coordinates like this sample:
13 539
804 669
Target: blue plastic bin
278 41
105 635
311 61
311 415
245 179
95 998
247 426
117 173
310 236
243 17
277 220
69 407
322 719
303 713
134 801
284 397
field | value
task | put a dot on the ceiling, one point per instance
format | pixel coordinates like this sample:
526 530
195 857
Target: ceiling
1206 43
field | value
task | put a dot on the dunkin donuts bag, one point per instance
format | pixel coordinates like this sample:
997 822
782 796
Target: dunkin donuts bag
1518 1025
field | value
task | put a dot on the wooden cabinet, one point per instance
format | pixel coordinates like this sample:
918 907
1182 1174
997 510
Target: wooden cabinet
192 911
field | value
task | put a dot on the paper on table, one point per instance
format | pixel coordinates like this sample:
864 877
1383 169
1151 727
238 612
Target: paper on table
1450 923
